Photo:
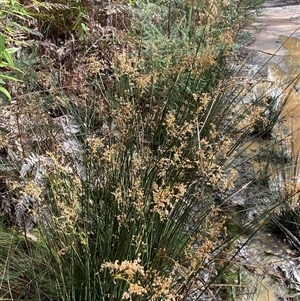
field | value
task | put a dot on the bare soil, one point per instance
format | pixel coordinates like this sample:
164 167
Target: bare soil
278 18
279 3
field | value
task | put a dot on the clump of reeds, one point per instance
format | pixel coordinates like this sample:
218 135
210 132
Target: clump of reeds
126 173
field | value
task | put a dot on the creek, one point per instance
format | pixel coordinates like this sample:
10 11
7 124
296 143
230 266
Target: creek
270 264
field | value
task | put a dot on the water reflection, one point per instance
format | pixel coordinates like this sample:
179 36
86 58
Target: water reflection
291 72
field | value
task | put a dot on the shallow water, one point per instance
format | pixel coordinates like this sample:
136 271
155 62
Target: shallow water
277 49
265 293
291 75
284 78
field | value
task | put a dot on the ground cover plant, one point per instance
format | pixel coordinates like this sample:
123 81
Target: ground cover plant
119 147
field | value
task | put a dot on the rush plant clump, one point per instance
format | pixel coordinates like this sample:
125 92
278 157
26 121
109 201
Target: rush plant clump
119 146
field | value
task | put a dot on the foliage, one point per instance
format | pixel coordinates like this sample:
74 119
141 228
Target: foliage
60 20
11 16
122 150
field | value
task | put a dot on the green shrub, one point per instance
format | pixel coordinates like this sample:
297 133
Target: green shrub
11 16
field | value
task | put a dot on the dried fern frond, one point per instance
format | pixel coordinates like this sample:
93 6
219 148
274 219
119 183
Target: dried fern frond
25 210
30 163
68 125
6 205
36 167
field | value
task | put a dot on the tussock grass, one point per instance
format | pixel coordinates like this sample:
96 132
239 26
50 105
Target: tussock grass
123 151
